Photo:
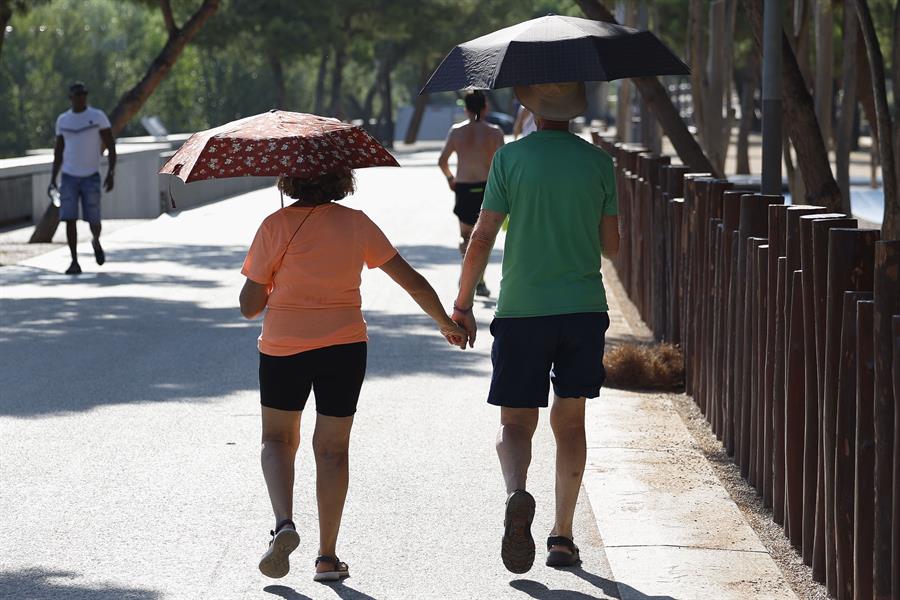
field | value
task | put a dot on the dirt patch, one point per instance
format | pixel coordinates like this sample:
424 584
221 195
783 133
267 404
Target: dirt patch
644 367
797 574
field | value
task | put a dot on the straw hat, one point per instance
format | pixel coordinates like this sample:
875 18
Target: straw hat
554 101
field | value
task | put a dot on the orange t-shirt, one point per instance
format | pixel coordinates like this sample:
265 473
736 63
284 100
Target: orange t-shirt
314 300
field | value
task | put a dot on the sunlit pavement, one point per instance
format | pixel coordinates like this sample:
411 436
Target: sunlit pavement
129 425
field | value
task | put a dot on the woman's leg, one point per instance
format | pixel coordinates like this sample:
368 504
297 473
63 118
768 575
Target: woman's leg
331 442
280 440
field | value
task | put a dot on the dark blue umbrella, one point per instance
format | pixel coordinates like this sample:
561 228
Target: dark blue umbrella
554 49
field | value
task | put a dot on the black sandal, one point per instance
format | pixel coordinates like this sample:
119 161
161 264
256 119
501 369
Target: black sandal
517 550
340 570
558 558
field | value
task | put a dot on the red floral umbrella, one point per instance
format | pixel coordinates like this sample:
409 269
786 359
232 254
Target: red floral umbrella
277 143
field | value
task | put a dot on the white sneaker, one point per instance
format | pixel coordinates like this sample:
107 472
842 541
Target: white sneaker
275 563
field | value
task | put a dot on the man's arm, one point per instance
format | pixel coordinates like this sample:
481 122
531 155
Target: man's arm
110 143
444 159
57 159
477 256
609 236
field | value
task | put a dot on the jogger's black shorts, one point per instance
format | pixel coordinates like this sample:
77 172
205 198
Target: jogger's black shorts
531 352
469 197
336 374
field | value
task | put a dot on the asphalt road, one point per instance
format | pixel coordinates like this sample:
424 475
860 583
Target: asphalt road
129 426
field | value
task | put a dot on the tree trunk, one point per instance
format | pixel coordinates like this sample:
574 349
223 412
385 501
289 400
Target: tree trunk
800 118
319 102
650 135
337 81
794 177
278 78
848 106
412 132
369 102
387 109
889 170
696 57
132 101
824 77
5 16
800 39
623 102
656 97
715 137
748 104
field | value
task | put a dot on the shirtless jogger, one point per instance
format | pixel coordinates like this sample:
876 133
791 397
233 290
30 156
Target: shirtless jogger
475 143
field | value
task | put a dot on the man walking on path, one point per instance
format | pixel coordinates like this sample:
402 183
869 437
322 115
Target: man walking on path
81 134
551 319
475 143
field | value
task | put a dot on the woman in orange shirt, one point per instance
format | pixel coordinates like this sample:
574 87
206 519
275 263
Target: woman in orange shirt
304 267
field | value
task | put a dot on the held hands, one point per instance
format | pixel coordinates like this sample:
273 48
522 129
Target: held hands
454 334
466 320
109 182
451 181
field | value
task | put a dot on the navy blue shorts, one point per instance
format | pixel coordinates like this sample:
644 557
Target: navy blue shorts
531 352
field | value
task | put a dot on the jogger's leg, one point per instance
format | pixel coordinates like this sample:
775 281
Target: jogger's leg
280 440
517 427
331 442
567 422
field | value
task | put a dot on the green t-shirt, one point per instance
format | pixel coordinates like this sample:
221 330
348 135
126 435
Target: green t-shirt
556 188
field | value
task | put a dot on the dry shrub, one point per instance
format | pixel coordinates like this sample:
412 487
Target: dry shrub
644 367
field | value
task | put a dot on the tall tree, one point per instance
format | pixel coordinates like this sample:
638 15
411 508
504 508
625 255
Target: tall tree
656 97
10 7
178 38
888 130
801 122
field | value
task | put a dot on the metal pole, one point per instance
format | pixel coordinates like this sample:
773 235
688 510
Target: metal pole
771 98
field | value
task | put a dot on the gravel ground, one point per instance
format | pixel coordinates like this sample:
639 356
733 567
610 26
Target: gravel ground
797 574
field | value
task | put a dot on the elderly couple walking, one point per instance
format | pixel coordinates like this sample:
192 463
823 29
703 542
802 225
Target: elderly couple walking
559 194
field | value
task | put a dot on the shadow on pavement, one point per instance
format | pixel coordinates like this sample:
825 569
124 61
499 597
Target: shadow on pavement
610 588
421 256
40 583
72 355
343 592
216 258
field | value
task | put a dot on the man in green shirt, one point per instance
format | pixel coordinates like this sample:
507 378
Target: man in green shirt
559 193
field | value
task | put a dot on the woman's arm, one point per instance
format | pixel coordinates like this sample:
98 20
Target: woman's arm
425 296
254 297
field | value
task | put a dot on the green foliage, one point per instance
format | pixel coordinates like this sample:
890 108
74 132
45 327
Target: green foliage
229 71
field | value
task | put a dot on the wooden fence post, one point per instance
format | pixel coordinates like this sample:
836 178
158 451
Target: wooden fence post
773 492
851 257
864 465
845 453
887 304
778 429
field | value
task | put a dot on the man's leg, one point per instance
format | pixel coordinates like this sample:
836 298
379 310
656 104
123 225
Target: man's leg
72 238
91 208
567 422
517 426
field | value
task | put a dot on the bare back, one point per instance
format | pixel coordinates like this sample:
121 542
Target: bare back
475 143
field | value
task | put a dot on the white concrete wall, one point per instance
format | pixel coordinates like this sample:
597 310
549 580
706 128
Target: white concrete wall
139 192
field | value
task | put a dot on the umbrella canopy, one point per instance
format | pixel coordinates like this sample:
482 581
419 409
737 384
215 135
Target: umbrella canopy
277 143
554 49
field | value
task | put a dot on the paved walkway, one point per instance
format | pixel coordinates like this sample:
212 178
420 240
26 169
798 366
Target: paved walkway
129 438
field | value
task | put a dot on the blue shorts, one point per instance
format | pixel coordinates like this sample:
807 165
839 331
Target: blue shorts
87 189
531 352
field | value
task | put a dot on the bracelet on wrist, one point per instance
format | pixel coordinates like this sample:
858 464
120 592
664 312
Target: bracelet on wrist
464 311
